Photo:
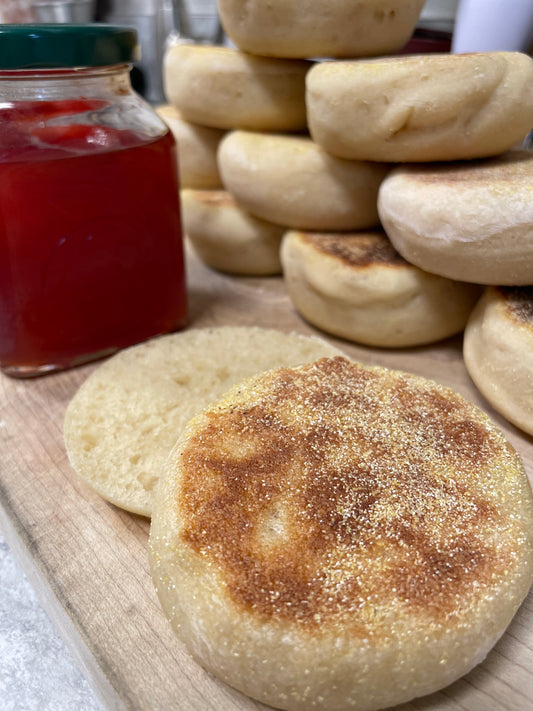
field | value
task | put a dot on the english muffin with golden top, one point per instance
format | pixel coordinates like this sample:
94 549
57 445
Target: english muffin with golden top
340 536
470 221
197 150
498 352
226 237
428 107
320 28
355 285
125 418
224 88
291 181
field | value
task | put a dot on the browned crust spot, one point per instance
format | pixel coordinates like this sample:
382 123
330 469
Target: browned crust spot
334 492
363 249
518 302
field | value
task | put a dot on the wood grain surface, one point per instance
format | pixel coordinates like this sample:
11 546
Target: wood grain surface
88 559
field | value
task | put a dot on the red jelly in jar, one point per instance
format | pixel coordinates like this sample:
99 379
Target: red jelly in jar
91 253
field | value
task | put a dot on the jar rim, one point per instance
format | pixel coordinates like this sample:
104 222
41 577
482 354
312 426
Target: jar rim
66 45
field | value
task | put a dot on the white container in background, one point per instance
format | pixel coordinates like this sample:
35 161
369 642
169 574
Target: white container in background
438 15
493 25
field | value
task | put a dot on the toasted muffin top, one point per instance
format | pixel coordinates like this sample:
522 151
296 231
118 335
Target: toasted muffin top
337 496
359 249
518 302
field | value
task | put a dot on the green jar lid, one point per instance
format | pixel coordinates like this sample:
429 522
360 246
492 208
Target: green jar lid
62 45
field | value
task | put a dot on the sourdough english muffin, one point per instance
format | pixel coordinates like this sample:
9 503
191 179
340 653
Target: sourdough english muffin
498 352
429 107
123 421
467 221
197 150
358 287
320 28
337 537
228 238
291 181
225 88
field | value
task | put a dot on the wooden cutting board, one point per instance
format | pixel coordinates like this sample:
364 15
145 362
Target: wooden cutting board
88 559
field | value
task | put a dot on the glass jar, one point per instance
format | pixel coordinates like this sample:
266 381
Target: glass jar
91 253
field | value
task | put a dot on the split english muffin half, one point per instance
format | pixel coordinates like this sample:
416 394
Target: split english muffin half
338 536
124 419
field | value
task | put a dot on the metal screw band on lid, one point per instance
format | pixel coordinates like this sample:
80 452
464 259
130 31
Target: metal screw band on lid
49 46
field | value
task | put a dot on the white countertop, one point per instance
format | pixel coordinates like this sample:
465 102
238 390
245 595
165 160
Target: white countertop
37 672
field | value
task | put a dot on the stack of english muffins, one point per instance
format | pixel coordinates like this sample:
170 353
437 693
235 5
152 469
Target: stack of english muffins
327 534
240 113
386 188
